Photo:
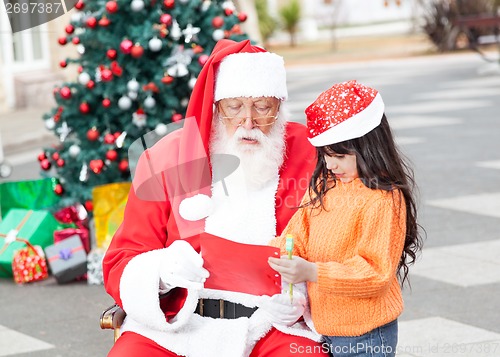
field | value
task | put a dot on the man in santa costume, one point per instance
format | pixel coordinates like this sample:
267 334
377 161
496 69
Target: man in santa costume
187 183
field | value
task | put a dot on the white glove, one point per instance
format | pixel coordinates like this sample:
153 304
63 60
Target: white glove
281 311
182 267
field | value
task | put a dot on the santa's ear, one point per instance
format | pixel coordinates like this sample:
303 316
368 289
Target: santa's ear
195 208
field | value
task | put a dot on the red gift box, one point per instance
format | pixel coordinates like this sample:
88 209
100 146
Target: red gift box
29 264
70 215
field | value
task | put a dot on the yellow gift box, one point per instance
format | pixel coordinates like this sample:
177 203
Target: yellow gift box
109 206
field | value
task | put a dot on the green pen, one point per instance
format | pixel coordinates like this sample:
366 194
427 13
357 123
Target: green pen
289 249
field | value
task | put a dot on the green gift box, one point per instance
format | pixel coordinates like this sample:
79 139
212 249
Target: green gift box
29 194
37 227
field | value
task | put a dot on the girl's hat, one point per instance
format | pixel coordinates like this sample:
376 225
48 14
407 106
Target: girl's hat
346 111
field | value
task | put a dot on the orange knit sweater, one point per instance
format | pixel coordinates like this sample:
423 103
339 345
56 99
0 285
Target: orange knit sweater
357 244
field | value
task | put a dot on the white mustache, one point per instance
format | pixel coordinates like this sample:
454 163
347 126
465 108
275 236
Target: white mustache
254 134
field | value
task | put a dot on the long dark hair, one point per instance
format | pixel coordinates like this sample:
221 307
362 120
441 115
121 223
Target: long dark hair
382 166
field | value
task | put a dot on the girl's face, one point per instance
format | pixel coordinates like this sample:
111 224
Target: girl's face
343 166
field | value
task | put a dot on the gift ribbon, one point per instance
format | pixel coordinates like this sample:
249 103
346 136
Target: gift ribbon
65 254
12 235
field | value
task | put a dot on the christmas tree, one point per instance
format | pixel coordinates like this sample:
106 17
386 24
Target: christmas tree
137 63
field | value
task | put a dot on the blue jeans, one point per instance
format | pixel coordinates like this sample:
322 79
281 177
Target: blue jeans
380 342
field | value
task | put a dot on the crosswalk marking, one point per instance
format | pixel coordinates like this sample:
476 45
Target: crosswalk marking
486 204
13 342
462 265
440 337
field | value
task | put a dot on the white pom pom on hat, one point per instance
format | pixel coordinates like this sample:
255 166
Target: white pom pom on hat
195 208
346 111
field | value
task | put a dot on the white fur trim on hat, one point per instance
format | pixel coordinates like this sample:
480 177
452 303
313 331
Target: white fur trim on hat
196 207
354 127
260 74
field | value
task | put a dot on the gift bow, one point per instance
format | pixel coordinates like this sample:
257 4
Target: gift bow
12 235
65 254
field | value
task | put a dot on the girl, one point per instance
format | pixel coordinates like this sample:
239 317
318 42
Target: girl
356 231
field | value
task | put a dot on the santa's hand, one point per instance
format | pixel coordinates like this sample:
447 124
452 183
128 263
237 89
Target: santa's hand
182 267
280 310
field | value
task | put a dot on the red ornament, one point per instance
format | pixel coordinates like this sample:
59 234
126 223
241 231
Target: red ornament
62 40
90 84
42 156
228 12
84 108
203 59
91 22
69 29
106 75
117 134
176 117
93 134
242 17
217 22
65 93
167 79
109 138
60 162
106 102
126 46
123 165
111 7
169 4
116 69
104 21
111 155
96 166
80 69
75 40
197 49
137 51
55 156
88 205
166 19
111 54
63 64
45 164
236 29
58 189
79 5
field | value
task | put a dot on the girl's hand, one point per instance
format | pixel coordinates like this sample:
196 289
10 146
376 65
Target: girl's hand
295 270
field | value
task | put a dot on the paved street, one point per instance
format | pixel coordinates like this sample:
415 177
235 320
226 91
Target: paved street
444 111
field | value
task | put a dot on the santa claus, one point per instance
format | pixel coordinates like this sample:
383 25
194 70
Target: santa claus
185 185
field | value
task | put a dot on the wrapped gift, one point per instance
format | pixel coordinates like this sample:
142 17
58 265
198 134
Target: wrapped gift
30 194
109 205
94 266
67 259
29 264
77 220
37 227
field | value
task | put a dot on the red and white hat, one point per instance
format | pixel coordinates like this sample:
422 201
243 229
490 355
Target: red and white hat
346 111
258 74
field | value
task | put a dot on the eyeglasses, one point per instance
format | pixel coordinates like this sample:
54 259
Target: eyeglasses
259 121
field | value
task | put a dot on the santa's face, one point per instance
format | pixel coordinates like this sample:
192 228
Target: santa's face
260 148
249 113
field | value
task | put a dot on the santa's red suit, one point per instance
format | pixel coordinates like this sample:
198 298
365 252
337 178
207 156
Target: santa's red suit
151 224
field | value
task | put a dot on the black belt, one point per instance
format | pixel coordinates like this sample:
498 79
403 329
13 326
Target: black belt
222 309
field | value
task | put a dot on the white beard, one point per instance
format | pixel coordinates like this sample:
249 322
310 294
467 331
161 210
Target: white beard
260 162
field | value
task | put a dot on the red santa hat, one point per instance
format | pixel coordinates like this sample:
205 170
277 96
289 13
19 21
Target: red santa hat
234 69
346 111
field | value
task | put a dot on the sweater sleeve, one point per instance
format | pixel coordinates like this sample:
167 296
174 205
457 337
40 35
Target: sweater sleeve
298 226
370 271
